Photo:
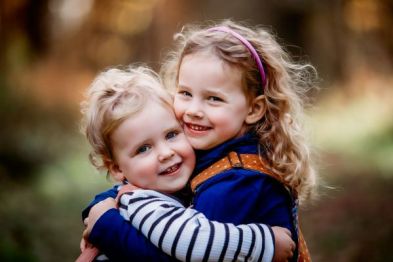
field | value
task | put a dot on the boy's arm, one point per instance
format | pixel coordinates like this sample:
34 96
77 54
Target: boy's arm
187 234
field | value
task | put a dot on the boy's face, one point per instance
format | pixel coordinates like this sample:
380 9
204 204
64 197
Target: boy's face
151 150
210 101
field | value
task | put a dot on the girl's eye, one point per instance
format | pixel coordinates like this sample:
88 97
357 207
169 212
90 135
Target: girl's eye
171 134
215 99
143 149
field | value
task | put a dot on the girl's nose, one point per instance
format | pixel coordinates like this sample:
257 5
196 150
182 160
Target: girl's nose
194 110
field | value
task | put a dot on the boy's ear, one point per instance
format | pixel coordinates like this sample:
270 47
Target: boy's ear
115 172
257 110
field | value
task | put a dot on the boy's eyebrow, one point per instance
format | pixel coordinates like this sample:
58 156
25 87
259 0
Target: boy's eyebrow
175 126
138 144
150 141
182 86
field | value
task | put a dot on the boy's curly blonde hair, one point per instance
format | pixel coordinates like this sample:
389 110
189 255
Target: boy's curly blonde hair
280 131
114 96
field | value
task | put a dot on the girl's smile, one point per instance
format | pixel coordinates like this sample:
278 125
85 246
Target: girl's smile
211 103
195 130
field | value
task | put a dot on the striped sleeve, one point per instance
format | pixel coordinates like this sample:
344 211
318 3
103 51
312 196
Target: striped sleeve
188 235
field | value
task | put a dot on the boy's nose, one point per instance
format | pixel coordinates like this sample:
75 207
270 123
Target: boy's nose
165 153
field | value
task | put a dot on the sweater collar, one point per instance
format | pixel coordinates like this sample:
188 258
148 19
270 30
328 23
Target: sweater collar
247 143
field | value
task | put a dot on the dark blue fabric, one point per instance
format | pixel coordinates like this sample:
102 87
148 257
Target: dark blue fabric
117 239
236 196
245 144
242 196
104 195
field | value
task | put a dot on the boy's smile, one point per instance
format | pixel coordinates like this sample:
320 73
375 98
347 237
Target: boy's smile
172 170
151 150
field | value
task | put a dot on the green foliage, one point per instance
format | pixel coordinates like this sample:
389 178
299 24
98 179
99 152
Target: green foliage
41 220
30 136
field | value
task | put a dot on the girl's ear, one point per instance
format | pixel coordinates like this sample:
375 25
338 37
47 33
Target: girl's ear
257 110
115 172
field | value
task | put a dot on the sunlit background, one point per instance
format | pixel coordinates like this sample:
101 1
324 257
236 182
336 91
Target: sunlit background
50 50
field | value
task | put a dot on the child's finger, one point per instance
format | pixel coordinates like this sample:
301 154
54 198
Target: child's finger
282 229
85 235
82 244
290 256
286 231
293 246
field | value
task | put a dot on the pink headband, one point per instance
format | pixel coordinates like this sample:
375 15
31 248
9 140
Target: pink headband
249 47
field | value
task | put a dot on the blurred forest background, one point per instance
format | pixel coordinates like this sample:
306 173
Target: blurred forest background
50 50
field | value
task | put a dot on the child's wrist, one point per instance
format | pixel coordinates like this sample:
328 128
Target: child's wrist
103 224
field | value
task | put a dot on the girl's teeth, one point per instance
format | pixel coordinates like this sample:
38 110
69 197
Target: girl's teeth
198 128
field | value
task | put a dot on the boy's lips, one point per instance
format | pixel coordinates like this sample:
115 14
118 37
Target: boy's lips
170 170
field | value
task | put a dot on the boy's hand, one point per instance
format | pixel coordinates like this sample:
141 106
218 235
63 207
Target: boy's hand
95 213
284 245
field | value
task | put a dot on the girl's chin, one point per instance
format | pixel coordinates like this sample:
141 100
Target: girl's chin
200 145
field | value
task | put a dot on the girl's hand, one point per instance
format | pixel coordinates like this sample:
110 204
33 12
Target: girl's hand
284 245
126 189
83 244
95 213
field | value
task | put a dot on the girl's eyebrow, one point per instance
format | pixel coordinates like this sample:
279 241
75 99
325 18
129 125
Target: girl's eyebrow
215 91
211 91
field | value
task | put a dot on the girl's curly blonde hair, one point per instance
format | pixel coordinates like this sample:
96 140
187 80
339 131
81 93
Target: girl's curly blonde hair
114 96
280 131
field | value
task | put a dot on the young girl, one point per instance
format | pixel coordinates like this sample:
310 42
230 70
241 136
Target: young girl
131 126
238 91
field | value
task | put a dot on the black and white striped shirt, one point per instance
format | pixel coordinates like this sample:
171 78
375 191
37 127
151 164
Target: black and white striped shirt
188 235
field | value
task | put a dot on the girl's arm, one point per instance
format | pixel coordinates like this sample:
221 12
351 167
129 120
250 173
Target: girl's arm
119 240
98 198
188 235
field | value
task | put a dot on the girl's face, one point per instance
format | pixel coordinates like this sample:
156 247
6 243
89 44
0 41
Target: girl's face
151 150
209 101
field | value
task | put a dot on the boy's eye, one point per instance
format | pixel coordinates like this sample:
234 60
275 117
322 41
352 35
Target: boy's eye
215 99
171 134
143 149
184 93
